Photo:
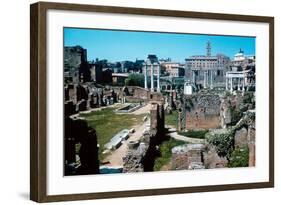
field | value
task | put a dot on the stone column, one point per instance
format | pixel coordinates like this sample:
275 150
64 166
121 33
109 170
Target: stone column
154 110
179 120
207 74
152 78
158 77
243 84
145 75
205 79
211 79
251 145
231 85
238 82
226 83
193 76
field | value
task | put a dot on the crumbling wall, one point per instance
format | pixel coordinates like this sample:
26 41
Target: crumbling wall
212 159
187 157
75 61
86 96
202 111
225 113
245 135
233 138
252 144
141 158
140 93
134 160
131 94
74 56
77 131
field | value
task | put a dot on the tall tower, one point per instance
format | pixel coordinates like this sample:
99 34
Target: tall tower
208 48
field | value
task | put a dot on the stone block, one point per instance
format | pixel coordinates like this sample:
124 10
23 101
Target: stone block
240 138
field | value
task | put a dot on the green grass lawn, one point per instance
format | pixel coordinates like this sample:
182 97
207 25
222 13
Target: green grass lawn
108 123
172 119
166 153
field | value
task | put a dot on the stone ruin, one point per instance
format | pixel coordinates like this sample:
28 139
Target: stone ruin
225 113
212 159
201 111
135 93
141 155
86 96
134 160
233 103
245 135
85 159
188 157
157 119
238 136
230 115
196 156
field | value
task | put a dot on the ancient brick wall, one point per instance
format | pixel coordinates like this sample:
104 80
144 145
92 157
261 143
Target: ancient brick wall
77 131
74 56
140 93
142 158
202 111
188 156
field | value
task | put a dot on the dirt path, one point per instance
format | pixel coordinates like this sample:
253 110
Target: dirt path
116 157
166 167
176 136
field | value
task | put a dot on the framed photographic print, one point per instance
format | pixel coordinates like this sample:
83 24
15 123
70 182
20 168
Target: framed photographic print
135 102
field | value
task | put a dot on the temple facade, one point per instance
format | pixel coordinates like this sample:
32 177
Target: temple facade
151 67
242 72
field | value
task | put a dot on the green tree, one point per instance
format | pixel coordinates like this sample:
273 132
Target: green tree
135 79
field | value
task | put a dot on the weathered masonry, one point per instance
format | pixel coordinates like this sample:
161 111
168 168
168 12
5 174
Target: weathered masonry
201 111
141 154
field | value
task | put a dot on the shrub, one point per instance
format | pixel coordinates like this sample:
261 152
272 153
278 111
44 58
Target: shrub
224 142
248 97
239 157
135 79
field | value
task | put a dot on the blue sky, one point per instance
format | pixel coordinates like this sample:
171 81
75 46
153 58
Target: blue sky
129 45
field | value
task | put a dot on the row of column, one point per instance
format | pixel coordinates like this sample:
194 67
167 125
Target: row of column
152 70
229 80
208 80
207 73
